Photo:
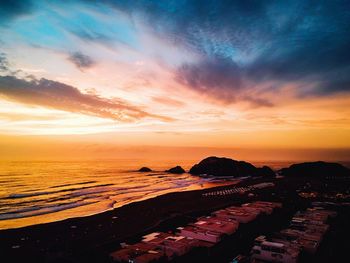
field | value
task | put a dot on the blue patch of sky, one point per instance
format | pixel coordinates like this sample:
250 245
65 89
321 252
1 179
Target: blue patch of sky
115 28
51 26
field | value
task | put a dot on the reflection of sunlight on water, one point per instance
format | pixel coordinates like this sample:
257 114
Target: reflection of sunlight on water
41 192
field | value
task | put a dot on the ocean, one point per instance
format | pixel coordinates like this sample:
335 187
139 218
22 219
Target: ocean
35 192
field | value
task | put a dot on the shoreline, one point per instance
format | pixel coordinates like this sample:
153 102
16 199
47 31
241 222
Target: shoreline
112 210
76 236
16 223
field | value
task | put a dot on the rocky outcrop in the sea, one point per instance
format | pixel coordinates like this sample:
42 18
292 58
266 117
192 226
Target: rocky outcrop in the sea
228 167
145 169
176 170
316 170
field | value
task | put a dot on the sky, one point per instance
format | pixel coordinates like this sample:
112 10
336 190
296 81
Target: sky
258 75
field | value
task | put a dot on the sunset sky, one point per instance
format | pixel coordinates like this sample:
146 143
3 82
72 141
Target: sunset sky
204 74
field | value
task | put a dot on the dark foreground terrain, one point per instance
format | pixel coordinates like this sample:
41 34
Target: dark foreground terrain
91 239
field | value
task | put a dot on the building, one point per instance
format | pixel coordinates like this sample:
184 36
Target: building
206 232
270 204
305 233
200 234
298 235
216 224
278 251
263 206
236 214
138 253
172 245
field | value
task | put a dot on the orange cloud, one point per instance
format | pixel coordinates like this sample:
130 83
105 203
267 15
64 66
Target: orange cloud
53 94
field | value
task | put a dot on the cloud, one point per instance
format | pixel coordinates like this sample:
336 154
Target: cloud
11 9
81 60
221 79
218 77
168 101
53 94
247 43
241 45
90 35
4 65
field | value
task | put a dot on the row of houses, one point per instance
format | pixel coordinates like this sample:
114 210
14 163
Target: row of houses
305 233
205 232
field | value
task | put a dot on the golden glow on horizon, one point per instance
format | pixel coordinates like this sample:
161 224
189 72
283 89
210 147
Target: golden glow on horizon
194 119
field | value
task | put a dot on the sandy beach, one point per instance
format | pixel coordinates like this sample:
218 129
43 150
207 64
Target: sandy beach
105 231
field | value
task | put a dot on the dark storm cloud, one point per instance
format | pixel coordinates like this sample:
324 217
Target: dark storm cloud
56 95
281 41
81 60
